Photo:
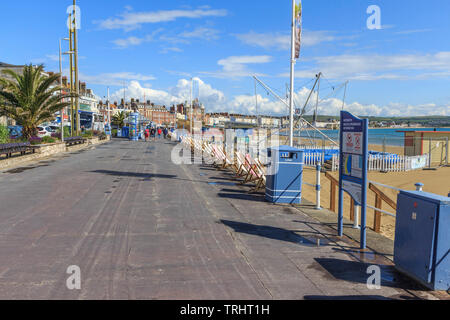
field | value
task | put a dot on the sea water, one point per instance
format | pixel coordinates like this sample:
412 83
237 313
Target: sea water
393 137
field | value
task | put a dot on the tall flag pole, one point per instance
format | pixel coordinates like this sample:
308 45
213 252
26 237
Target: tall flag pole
295 54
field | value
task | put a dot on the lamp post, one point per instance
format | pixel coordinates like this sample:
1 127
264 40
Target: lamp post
60 81
72 84
109 112
192 111
75 49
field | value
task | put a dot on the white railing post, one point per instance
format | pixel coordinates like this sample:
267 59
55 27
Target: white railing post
356 220
318 186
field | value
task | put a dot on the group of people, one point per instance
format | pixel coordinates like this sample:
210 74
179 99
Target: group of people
152 133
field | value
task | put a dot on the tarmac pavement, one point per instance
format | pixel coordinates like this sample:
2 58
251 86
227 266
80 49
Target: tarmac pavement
140 227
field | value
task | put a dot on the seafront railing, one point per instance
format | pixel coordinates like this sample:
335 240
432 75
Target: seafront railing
390 162
380 198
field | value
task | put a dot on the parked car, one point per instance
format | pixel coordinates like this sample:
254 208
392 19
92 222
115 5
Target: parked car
55 128
15 131
44 132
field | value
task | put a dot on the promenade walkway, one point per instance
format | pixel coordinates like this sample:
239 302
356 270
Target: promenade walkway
141 227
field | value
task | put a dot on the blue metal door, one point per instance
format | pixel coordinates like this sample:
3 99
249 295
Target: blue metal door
415 236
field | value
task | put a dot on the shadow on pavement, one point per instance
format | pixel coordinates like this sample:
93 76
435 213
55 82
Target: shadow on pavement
275 233
134 174
355 271
237 196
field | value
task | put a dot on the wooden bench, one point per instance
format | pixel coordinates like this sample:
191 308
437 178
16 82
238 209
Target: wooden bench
9 149
70 141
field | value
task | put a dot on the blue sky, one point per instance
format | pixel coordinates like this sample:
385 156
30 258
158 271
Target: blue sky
155 47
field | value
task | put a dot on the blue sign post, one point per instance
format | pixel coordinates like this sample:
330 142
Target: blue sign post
134 126
353 155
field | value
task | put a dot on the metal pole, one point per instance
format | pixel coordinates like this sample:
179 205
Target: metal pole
429 153
345 95
60 83
287 105
365 183
192 111
341 191
291 97
124 95
77 83
317 101
323 151
318 187
256 106
72 121
446 151
109 113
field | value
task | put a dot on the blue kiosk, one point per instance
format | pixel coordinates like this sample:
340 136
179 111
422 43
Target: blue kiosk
107 130
284 176
422 240
134 126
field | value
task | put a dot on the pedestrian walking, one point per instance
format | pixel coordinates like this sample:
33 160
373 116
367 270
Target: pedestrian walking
146 134
159 133
165 132
153 133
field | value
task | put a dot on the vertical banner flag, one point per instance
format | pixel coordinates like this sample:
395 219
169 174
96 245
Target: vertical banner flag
298 29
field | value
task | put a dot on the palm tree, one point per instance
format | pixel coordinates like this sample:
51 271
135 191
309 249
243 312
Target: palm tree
119 119
29 98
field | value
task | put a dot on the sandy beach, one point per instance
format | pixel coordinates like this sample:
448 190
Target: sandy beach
437 182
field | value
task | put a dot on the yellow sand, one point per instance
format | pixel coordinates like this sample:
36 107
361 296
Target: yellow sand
437 182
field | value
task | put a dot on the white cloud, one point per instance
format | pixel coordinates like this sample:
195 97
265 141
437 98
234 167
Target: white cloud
281 41
135 41
54 57
413 31
215 101
130 41
170 49
114 79
201 33
134 20
378 67
182 38
178 94
236 66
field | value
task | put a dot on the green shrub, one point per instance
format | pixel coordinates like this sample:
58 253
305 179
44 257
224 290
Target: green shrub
114 132
4 134
18 140
66 131
48 140
88 134
35 140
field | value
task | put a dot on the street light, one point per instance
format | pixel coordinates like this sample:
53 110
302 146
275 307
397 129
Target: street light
60 81
109 115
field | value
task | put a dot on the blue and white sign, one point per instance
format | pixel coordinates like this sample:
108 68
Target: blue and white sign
354 141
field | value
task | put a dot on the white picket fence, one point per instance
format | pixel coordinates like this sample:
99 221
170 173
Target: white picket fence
309 147
390 163
312 159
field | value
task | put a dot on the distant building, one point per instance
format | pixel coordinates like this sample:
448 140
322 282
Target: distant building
149 112
418 142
